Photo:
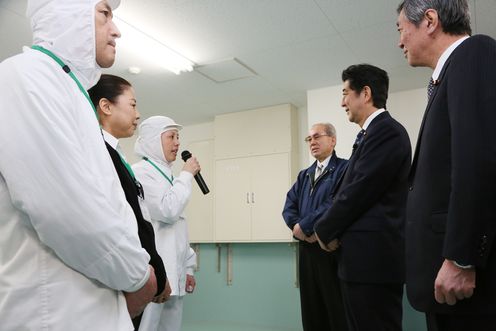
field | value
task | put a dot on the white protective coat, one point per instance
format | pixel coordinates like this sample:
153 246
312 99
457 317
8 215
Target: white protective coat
165 204
68 238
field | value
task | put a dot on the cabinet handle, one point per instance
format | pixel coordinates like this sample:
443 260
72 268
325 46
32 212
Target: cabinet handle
252 197
247 197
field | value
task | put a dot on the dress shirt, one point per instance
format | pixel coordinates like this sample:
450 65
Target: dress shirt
444 57
371 118
322 165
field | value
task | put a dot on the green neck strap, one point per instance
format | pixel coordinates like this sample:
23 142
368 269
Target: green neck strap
155 166
128 167
66 68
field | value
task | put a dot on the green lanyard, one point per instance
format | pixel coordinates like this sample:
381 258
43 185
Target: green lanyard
66 68
155 166
128 167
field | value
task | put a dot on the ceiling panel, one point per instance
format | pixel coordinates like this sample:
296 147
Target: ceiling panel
376 45
207 31
348 15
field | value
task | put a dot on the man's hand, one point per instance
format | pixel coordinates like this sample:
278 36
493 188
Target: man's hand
330 247
311 239
165 295
137 301
190 283
453 283
298 232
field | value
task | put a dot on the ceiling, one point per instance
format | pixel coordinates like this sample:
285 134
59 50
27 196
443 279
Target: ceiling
288 46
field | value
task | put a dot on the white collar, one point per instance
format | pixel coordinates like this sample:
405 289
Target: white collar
444 57
325 162
110 139
371 118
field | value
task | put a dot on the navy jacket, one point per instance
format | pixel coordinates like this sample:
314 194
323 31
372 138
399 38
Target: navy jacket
308 199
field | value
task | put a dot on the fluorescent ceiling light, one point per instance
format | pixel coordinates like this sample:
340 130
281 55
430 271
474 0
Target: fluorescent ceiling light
150 48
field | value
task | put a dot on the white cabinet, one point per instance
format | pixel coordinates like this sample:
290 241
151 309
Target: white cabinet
254 167
232 200
250 195
255 132
249 166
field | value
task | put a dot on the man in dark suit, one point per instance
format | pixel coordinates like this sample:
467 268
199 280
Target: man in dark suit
367 215
451 209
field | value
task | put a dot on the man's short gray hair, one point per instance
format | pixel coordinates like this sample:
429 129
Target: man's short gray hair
453 14
329 129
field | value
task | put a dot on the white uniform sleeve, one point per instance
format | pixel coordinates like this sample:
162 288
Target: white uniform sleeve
191 261
57 172
165 203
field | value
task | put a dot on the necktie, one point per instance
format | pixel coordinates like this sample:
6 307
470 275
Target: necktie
358 139
318 171
430 89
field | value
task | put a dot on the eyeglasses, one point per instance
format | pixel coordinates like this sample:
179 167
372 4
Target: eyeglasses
315 137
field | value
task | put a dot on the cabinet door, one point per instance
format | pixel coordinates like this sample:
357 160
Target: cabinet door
270 183
254 132
200 210
232 200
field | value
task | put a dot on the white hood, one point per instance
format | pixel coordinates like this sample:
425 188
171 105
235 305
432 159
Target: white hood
149 142
67 28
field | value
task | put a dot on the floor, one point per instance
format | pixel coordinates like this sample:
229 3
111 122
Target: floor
210 326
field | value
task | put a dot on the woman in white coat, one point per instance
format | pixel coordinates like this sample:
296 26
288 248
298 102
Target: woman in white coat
166 197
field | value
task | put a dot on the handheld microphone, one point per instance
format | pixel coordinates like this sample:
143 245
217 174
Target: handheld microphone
185 155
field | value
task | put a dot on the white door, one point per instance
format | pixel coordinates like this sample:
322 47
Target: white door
232 200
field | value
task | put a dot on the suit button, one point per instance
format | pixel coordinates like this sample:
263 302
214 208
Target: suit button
410 188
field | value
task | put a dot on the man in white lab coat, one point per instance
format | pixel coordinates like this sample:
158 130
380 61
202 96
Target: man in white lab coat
68 239
165 199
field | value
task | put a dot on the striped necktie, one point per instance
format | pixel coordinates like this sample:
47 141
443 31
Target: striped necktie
318 170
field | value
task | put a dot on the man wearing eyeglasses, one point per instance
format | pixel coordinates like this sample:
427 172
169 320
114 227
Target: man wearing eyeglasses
306 202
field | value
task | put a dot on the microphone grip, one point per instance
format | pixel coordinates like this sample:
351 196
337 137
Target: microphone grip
201 183
185 155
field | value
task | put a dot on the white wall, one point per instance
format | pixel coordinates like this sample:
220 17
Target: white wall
324 105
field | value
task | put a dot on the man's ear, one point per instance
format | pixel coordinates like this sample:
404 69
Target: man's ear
367 93
432 19
104 106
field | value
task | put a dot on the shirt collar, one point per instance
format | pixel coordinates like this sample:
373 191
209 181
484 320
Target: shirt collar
325 162
371 118
444 57
110 139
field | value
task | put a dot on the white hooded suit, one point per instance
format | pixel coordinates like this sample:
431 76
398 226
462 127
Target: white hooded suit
68 238
165 202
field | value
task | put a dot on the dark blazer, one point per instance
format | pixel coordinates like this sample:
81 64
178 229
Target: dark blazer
368 211
145 229
451 210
